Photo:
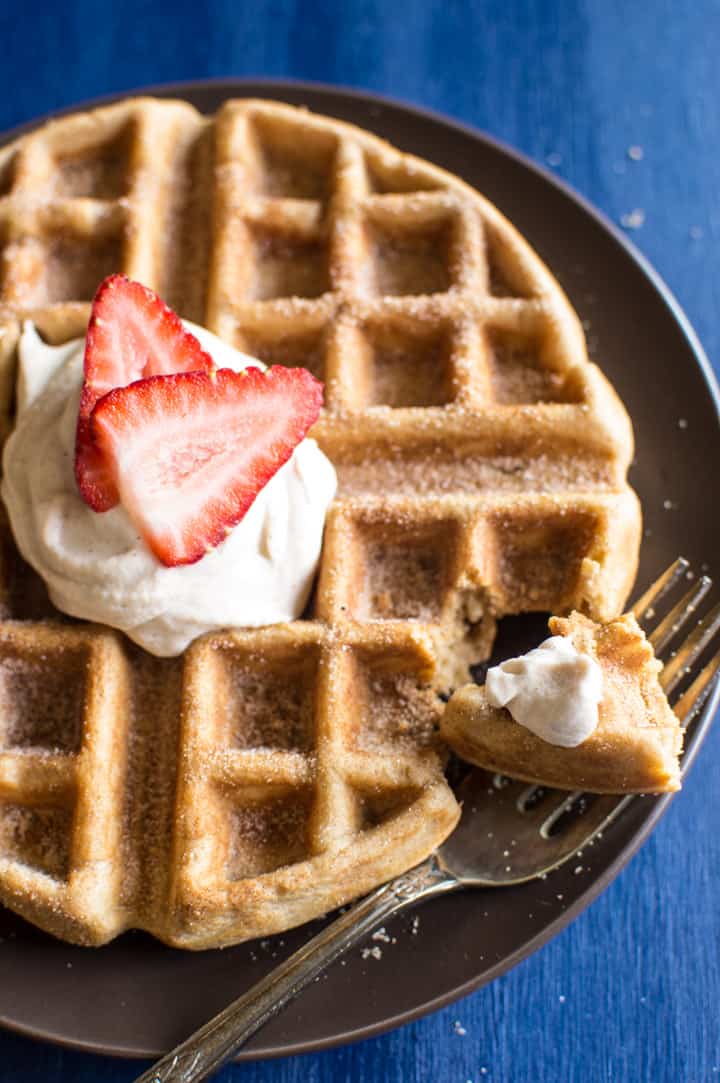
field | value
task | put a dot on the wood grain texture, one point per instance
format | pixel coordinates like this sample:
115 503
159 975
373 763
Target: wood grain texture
630 991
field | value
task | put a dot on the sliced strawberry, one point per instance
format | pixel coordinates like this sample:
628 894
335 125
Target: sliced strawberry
132 334
189 453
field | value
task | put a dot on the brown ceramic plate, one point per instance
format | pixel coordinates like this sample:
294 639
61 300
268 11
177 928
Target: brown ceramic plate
136 997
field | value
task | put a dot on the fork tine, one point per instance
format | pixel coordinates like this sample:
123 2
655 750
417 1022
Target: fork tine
695 696
530 797
549 822
679 615
662 584
691 649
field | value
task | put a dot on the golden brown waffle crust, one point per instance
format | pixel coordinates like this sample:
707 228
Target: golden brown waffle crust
482 464
28 164
635 747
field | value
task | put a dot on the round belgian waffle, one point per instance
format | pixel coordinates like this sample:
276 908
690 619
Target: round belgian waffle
267 776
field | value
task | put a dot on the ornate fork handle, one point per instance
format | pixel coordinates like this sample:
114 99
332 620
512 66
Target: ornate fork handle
215 1043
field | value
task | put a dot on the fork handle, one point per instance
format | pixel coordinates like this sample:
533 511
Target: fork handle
214 1044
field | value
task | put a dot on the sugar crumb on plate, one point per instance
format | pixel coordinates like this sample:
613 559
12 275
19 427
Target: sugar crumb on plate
634 219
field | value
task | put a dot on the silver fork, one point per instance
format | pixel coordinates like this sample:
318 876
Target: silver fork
545 828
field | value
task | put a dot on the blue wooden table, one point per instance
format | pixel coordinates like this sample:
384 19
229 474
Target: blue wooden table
622 100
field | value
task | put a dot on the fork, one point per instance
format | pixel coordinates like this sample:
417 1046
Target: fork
545 827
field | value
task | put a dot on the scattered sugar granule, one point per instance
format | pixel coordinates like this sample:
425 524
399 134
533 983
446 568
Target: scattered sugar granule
682 423
668 505
372 953
635 153
415 925
560 897
554 158
561 999
634 219
696 232
380 934
459 1028
578 869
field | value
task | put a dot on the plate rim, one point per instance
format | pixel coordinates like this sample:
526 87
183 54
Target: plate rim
239 87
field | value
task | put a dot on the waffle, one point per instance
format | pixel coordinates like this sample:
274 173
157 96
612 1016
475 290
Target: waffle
638 740
269 775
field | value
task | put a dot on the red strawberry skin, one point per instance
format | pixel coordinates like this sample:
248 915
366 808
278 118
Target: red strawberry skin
188 453
131 335
96 486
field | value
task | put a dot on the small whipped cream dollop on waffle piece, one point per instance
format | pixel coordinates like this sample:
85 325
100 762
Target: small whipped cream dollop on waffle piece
97 567
553 690
634 747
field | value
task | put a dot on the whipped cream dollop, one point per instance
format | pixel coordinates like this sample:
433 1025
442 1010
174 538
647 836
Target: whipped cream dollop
97 567
554 690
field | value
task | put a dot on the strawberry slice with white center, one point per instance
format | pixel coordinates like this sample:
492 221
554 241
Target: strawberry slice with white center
131 335
189 453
